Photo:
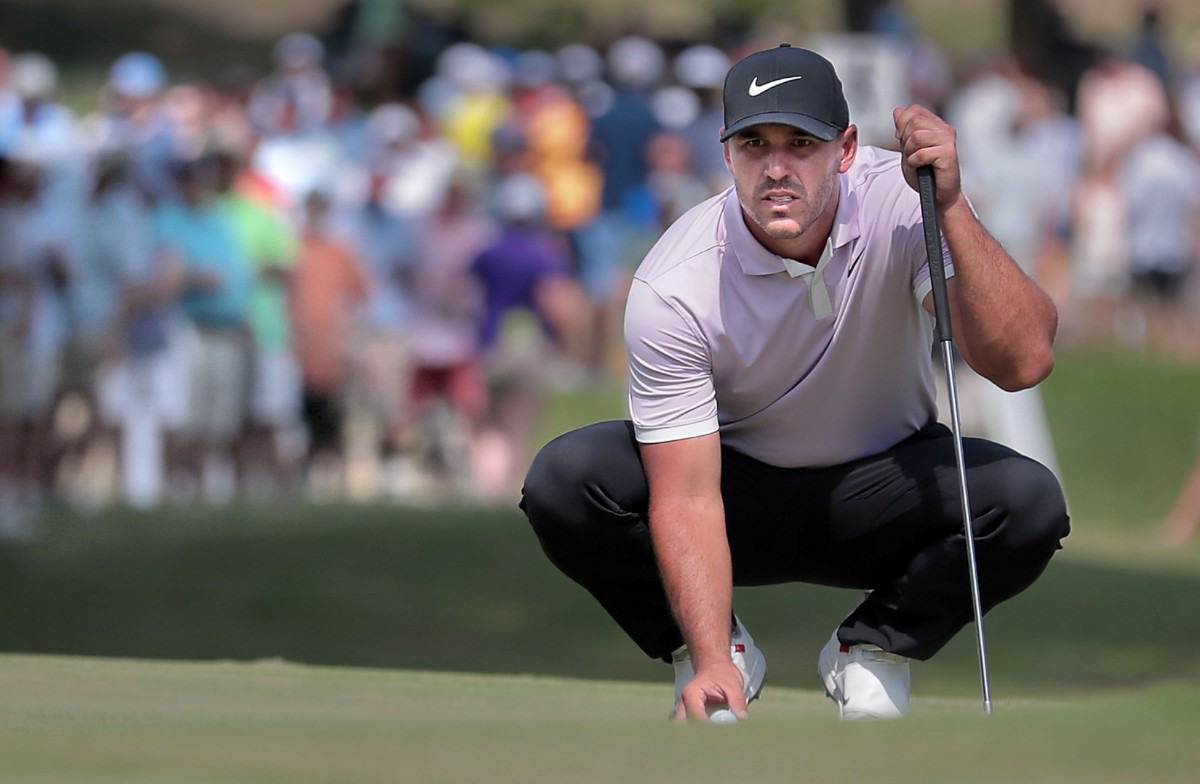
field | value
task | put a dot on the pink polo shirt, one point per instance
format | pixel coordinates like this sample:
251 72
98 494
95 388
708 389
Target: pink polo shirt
724 335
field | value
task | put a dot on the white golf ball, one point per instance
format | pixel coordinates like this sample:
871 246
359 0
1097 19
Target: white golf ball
722 716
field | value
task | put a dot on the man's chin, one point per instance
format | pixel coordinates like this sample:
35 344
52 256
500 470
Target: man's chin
781 229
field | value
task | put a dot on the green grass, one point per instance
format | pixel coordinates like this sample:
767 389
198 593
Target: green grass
1126 427
137 721
468 590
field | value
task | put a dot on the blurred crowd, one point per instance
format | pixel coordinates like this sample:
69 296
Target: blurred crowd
258 288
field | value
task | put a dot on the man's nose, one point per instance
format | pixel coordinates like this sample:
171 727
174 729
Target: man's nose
777 164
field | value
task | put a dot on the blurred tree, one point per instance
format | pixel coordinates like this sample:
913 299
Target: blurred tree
858 14
1046 47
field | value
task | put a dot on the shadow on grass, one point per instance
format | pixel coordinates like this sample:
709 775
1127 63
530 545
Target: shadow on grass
468 590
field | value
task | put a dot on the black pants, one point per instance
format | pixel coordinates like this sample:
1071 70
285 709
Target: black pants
891 523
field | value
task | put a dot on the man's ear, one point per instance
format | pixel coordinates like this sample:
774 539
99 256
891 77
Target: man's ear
849 148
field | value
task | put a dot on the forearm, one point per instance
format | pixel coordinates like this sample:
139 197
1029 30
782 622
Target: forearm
1004 324
693 556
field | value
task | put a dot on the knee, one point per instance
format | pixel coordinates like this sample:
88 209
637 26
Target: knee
572 480
1037 518
585 496
554 476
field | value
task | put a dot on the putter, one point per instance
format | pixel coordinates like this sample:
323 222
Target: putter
941 313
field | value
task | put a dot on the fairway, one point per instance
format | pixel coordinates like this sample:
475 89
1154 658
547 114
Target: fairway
82 719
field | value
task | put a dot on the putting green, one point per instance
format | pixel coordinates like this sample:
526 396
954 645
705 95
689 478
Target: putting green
117 720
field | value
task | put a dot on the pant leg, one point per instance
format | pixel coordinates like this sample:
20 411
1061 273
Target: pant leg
586 497
891 523
917 553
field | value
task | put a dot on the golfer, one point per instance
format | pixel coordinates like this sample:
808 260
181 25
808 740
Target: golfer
783 409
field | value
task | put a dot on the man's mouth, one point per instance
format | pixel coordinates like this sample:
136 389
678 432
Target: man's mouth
779 196
779 202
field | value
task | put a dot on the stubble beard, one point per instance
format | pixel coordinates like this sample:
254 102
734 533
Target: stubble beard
793 226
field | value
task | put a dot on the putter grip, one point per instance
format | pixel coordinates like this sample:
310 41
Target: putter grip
933 249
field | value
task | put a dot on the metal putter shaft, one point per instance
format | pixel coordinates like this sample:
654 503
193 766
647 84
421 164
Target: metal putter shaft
941 310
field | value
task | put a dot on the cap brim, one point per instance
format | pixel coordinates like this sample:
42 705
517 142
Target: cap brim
811 125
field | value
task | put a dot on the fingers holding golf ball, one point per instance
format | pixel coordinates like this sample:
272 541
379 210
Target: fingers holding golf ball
714 697
722 716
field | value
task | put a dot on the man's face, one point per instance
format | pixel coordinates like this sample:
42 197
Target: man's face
786 180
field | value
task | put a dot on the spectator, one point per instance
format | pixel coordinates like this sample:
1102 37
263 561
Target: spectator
552 129
45 129
702 68
620 132
132 119
524 272
672 181
1161 177
194 232
671 188
1119 102
139 390
17 312
1018 160
297 96
475 101
33 323
387 237
408 168
267 455
46 144
329 285
450 395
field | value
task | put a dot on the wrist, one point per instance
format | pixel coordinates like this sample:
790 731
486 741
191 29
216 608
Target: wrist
710 652
957 207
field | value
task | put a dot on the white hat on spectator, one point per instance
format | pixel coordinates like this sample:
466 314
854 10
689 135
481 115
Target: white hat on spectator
137 75
579 63
520 197
471 68
299 50
393 123
675 107
636 61
33 75
701 67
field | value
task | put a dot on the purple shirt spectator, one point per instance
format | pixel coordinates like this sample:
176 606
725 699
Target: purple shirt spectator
511 270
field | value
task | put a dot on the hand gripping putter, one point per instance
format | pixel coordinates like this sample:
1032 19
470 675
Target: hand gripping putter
941 312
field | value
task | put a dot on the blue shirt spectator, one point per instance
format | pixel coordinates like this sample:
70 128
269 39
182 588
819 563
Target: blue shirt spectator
196 230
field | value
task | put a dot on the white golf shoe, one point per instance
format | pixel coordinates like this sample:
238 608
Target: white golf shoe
746 656
865 681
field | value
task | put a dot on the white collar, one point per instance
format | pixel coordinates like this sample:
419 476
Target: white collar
818 293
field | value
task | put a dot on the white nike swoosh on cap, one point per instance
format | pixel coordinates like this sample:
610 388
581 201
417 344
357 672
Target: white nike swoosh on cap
759 89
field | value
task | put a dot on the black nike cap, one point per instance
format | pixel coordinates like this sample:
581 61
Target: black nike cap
786 85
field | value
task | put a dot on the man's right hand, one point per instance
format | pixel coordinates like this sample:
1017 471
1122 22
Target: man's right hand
713 687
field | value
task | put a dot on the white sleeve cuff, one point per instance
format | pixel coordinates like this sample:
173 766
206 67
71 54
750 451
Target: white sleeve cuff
659 435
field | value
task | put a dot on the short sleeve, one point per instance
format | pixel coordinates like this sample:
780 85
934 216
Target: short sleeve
671 391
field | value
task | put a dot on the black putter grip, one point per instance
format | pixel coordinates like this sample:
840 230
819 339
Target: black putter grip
933 248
